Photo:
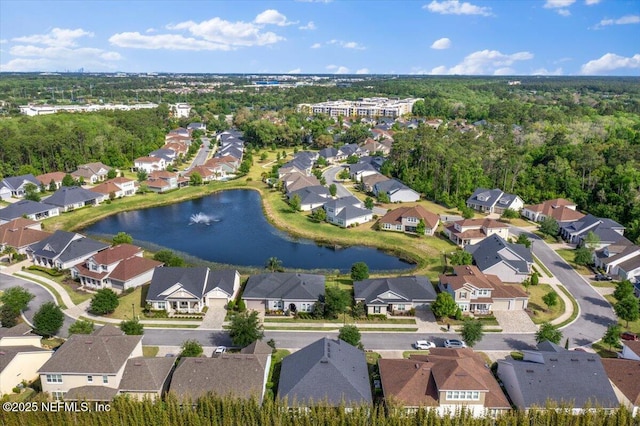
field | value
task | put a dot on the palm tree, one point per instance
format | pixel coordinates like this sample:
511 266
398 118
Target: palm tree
274 264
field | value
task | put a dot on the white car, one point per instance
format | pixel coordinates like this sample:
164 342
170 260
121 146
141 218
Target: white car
423 345
454 343
219 350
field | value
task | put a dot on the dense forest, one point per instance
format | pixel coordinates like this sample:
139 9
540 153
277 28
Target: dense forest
544 137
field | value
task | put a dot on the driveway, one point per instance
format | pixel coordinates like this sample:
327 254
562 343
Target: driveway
214 317
515 322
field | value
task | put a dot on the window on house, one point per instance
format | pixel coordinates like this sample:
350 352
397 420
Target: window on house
184 304
376 309
161 305
57 395
105 379
400 307
89 379
463 295
54 378
399 227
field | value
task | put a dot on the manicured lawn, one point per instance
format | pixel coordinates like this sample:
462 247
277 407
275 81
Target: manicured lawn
77 296
130 304
541 268
604 284
274 371
634 326
602 349
569 255
540 311
340 320
547 238
52 342
150 351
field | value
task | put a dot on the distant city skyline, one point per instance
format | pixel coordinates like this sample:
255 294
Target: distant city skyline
436 37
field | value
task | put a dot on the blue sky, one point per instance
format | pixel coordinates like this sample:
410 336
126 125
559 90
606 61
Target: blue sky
474 37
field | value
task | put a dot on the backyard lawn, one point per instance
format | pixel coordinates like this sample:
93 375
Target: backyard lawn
634 326
540 312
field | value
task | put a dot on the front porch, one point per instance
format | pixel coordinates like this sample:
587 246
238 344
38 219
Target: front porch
180 306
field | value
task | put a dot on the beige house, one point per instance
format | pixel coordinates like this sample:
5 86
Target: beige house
560 209
21 355
95 363
406 219
471 231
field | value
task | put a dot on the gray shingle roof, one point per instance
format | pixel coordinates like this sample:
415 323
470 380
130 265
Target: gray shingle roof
361 167
312 194
284 285
191 279
24 207
409 288
53 245
81 247
339 203
390 186
223 279
91 393
68 195
146 374
327 370
351 212
8 353
328 152
489 252
14 182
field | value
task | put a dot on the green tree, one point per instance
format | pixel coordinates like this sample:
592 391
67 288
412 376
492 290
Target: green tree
295 203
344 174
335 302
524 240
612 335
368 203
510 214
548 331
195 179
383 197
628 309
132 327
8 316
245 328
121 238
526 283
359 271
461 257
274 264
444 305
68 180
105 301
52 186
623 290
471 331
81 327
582 256
550 299
352 159
535 278
333 189
169 258
17 298
141 175
421 228
48 319
263 156
419 108
112 174
549 226
31 192
318 215
191 348
351 335
591 242
359 309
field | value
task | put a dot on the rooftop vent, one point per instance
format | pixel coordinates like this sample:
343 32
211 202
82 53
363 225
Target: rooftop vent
529 371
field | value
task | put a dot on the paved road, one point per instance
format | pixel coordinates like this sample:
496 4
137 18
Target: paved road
201 156
595 312
330 177
41 296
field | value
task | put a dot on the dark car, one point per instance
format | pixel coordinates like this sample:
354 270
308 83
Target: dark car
627 335
602 277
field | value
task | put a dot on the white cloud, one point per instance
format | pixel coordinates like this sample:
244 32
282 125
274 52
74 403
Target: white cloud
555 4
338 69
346 44
564 12
454 7
625 20
544 71
294 71
316 45
150 30
441 43
504 71
310 26
272 17
233 34
591 2
60 37
4 41
135 40
362 71
485 62
610 62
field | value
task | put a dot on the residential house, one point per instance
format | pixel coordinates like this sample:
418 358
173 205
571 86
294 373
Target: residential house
119 267
180 131
179 147
553 373
91 172
476 292
47 178
311 197
238 375
5 192
445 380
29 209
326 372
347 211
368 182
189 290
560 209
207 174
233 149
128 187
610 257
63 249
346 151
494 201
223 167
146 378
406 219
329 154
21 355
394 296
17 185
376 162
95 363
297 180
630 270
373 146
162 181
607 230
197 126
510 262
167 154
624 375
630 350
396 191
472 231
283 291
359 170
21 233
20 334
381 134
108 190
69 198
150 164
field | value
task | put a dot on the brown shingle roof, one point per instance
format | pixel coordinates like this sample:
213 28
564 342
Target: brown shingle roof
625 375
408 382
146 374
481 223
105 188
470 274
396 215
116 253
18 233
46 178
560 209
91 393
132 267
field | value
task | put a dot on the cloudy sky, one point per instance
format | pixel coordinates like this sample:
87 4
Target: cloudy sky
474 37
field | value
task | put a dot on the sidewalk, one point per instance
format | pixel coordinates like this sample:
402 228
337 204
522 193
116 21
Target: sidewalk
568 305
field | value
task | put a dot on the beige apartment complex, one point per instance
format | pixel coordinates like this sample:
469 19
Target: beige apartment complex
363 107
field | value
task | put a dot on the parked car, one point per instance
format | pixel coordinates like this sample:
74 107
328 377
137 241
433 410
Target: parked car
602 277
423 345
454 343
219 351
627 335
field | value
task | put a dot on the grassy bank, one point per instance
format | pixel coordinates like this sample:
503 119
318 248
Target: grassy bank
540 311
